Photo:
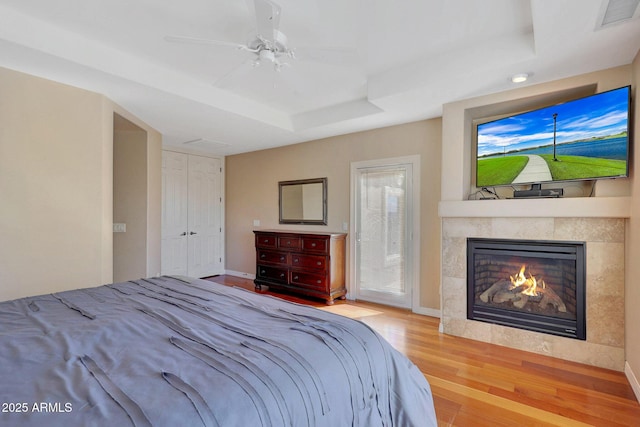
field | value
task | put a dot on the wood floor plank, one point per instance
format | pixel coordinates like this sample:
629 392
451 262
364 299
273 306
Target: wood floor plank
495 407
593 379
480 384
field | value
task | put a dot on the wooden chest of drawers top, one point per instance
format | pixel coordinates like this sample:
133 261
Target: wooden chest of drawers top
296 242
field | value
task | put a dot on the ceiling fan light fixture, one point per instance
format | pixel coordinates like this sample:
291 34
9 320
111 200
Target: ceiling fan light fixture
519 78
267 55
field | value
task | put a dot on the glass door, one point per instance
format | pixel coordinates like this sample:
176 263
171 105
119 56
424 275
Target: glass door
383 249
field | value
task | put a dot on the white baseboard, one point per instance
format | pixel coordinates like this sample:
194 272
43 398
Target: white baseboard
240 274
633 380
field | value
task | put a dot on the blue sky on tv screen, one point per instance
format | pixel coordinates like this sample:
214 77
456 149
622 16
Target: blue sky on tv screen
599 115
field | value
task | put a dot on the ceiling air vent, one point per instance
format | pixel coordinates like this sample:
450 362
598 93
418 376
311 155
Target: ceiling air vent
618 11
206 142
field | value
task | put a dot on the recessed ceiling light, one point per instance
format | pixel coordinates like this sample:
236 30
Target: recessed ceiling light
519 78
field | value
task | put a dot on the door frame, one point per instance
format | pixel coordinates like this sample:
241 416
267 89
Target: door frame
413 221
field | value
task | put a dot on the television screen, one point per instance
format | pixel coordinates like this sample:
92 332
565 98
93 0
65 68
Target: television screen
583 139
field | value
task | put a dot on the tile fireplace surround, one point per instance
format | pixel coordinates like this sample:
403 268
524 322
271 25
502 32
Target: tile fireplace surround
600 224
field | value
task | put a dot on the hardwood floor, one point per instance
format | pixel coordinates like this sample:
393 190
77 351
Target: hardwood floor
480 384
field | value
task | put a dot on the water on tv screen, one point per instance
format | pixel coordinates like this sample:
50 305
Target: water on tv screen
583 139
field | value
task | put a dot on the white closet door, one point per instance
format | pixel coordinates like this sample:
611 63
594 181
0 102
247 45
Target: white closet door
205 217
192 235
174 213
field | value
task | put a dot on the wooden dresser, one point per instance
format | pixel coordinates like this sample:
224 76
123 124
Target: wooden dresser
306 263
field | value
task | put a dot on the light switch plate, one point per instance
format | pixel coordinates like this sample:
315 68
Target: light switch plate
119 227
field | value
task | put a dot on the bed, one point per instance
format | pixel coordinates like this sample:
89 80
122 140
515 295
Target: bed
174 351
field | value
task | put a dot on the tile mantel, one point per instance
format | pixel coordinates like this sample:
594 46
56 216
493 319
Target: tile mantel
584 207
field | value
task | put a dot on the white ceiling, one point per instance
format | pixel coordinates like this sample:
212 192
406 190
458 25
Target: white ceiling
362 64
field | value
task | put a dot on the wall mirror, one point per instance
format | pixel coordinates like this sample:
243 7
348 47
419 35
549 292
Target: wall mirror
303 201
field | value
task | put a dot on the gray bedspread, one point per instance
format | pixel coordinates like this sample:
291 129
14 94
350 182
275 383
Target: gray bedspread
171 351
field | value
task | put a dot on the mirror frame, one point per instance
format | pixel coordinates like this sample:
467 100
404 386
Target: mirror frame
322 221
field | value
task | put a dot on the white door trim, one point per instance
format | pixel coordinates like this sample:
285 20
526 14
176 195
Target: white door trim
414 220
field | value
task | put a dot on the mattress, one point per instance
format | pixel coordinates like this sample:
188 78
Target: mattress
174 351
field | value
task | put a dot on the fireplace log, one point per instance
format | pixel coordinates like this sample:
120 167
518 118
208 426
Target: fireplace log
502 285
504 296
520 303
502 291
549 296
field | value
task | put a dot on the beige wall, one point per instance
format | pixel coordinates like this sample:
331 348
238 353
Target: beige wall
147 261
632 289
56 187
129 200
154 199
252 189
52 183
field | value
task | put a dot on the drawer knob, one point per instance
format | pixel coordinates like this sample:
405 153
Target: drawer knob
281 274
262 256
281 258
319 262
262 271
295 278
295 260
318 281
313 245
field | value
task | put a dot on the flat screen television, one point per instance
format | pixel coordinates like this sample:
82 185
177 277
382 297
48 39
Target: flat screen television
583 139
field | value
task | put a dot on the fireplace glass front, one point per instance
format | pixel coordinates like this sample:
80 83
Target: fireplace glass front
528 284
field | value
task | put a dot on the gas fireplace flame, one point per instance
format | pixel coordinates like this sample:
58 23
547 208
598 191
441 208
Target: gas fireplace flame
529 285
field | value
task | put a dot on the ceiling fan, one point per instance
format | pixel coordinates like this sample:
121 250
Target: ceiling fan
269 45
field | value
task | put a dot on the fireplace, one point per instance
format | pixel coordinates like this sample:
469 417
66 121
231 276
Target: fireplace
528 284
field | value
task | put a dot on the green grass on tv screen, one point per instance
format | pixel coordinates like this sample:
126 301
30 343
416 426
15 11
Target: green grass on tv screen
503 170
500 171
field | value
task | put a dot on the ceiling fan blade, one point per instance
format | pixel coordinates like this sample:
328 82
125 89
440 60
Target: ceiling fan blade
197 40
225 80
267 19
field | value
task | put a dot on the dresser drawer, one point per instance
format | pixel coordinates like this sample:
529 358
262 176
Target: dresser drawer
289 242
266 241
272 273
315 262
309 280
312 244
272 257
